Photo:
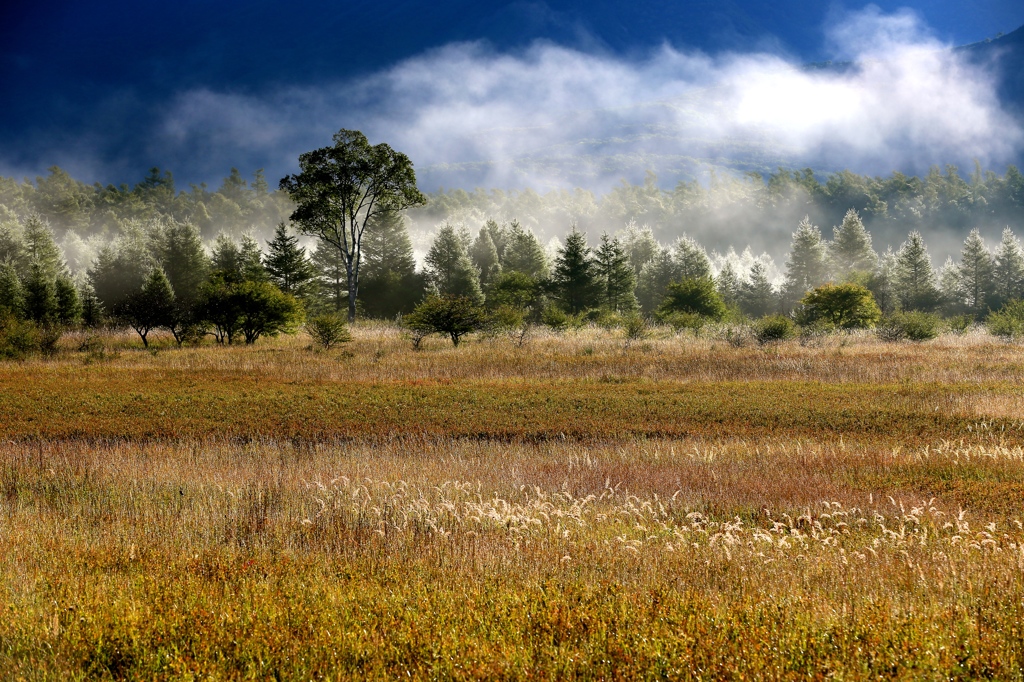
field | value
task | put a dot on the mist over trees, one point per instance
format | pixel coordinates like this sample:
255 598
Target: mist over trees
230 264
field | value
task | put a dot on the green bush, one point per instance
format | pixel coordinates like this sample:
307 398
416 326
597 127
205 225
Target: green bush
773 329
454 316
910 326
685 321
959 324
696 295
635 327
843 306
1008 322
18 338
328 330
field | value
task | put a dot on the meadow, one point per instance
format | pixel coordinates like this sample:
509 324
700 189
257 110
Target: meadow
574 507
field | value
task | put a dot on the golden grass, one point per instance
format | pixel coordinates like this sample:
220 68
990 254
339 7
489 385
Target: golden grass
679 509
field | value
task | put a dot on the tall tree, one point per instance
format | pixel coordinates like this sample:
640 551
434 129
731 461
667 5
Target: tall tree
449 269
41 248
1009 268
976 275
12 296
692 259
807 266
340 188
851 250
151 307
916 284
391 286
250 257
614 275
287 265
640 245
728 285
484 255
574 281
523 253
331 276
40 295
757 295
183 259
69 307
655 276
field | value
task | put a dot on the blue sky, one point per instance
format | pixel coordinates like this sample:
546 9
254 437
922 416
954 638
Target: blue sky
107 91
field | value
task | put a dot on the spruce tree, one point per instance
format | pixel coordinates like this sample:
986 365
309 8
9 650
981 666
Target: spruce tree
499 235
614 275
331 277
949 288
807 266
574 281
655 276
640 245
976 275
1009 269
250 257
757 295
151 307
12 295
41 249
449 269
915 282
388 284
226 259
40 295
12 248
523 253
850 250
484 255
287 265
183 259
727 283
69 308
882 283
692 260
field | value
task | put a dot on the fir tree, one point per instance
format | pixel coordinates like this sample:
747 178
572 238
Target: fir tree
976 275
331 277
949 287
523 253
573 281
851 250
757 295
484 255
250 257
655 276
691 259
41 249
389 284
226 259
640 245
69 308
614 275
12 295
40 295
151 307
1009 269
183 259
914 279
807 266
286 264
728 284
449 269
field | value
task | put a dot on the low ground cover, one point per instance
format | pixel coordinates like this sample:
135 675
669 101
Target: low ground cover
677 508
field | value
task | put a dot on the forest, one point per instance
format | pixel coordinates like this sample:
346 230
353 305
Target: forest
228 264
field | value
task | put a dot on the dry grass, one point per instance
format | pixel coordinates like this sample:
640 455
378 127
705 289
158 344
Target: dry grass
683 509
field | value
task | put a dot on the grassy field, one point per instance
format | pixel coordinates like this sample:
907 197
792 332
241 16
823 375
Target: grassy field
578 507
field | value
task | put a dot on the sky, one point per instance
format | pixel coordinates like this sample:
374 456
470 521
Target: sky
502 93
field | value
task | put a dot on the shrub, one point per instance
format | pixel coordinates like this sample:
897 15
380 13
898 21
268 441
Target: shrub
959 324
912 326
18 338
328 330
773 329
843 306
635 328
696 295
1008 322
685 321
454 316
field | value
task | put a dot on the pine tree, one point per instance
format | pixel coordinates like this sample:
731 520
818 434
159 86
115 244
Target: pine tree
226 259
976 275
882 282
92 311
499 235
615 276
949 287
183 259
449 269
389 284
12 295
914 279
40 295
757 295
807 266
728 284
574 280
331 277
640 245
250 257
484 255
655 276
12 248
152 306
1009 269
523 253
692 260
851 250
40 248
69 308
287 265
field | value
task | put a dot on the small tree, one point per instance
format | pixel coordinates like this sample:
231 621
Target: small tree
615 276
287 265
151 307
574 281
12 296
454 316
697 296
264 310
844 306
328 330
40 296
449 268
69 307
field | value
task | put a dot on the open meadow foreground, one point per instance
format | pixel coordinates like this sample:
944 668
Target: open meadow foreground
577 507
